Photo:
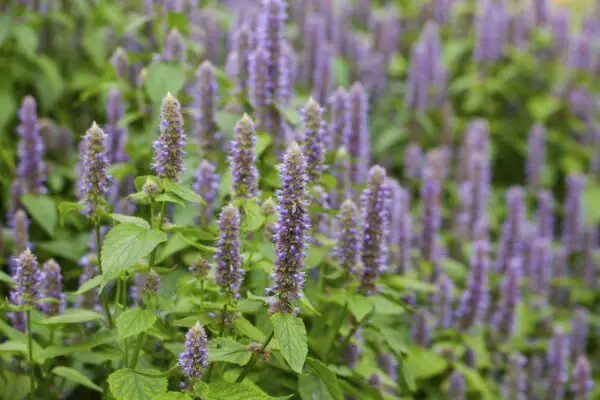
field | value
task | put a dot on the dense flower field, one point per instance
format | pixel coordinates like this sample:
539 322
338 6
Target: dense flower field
318 199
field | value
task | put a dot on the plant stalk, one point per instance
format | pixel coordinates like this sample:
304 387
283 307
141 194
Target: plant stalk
137 349
30 349
252 361
104 300
338 325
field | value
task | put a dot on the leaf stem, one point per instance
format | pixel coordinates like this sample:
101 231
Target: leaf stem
159 226
253 360
30 349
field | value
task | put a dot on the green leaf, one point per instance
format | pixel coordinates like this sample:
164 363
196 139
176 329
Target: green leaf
163 78
235 391
184 191
5 25
313 387
360 305
13 347
94 45
201 389
169 198
43 210
291 115
253 218
263 140
543 107
134 321
13 386
341 72
127 385
67 207
49 83
99 338
27 39
291 336
404 283
425 363
226 120
89 285
591 202
228 350
73 316
172 396
125 245
243 326
328 377
130 219
77 377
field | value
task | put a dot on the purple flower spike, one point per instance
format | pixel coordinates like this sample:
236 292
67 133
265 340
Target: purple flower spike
536 155
115 110
514 386
470 358
323 73
492 29
260 88
20 232
94 182
207 185
388 364
421 329
560 292
269 210
590 244
26 279
399 206
405 243
572 224
205 104
504 319
200 269
120 62
510 245
540 260
271 29
535 365
313 139
579 332
558 359
544 214
375 215
443 301
347 250
229 271
174 50
457 389
238 62
479 176
243 159
168 161
340 122
50 284
360 141
292 227
431 219
475 299
194 359
582 379
413 161
31 169
462 222
314 31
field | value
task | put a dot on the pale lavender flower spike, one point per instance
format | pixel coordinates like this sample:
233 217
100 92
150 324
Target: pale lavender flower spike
514 385
168 160
572 233
347 250
194 359
243 159
443 302
504 319
582 379
228 260
94 182
475 298
207 186
360 142
430 215
510 245
457 389
579 332
536 155
558 360
205 104
313 139
50 284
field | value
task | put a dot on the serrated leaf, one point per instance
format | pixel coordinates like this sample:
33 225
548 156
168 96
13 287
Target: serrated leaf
134 321
313 387
201 389
127 385
43 210
163 78
77 377
328 377
67 207
290 333
14 386
360 305
89 285
425 363
184 191
73 316
125 245
128 219
253 218
228 350
243 326
235 391
169 198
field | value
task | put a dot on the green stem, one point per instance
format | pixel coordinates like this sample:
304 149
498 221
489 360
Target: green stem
118 297
103 297
160 223
321 287
137 349
202 295
252 362
338 325
221 331
30 348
